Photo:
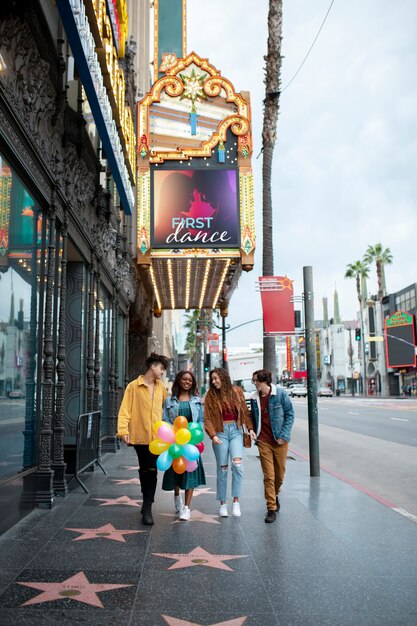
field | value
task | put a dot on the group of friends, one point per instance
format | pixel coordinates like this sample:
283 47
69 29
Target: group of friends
224 415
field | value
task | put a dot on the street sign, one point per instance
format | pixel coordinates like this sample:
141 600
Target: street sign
378 338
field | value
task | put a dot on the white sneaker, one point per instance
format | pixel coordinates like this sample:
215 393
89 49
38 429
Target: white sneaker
179 504
185 514
223 510
236 509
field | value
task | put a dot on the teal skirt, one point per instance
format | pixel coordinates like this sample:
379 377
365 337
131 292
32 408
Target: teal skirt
188 480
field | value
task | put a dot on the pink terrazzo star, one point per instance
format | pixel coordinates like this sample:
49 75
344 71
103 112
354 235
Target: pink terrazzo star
198 516
199 556
125 481
202 491
108 531
76 587
173 621
122 500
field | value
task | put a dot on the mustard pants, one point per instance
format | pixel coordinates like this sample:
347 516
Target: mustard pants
273 459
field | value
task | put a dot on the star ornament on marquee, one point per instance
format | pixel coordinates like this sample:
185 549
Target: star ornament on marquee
75 587
108 531
193 86
200 557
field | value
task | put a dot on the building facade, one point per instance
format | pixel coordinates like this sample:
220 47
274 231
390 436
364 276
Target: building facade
67 277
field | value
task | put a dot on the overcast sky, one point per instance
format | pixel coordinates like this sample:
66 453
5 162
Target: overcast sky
344 169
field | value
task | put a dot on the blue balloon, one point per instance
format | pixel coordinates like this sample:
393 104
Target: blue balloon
190 452
164 461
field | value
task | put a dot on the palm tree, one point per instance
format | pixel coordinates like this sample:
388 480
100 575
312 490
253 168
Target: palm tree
382 258
359 271
271 107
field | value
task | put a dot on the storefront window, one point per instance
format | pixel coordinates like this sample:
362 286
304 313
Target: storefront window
21 234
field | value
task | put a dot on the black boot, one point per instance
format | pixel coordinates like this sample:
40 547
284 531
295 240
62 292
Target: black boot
147 518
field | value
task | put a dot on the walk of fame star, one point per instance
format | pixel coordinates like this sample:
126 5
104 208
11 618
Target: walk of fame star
75 587
172 621
122 500
125 481
201 491
199 556
108 531
196 516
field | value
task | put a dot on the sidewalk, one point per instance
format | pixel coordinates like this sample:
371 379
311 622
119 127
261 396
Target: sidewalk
334 557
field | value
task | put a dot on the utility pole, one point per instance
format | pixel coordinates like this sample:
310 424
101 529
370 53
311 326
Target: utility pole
313 418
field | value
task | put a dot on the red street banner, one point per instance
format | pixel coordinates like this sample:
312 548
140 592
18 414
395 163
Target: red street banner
277 304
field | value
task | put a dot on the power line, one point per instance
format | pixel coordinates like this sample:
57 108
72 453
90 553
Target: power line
311 47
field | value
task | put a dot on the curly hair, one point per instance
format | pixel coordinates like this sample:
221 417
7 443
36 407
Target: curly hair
154 359
224 395
176 386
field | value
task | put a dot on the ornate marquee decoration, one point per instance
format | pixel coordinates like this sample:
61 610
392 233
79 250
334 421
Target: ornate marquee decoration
192 112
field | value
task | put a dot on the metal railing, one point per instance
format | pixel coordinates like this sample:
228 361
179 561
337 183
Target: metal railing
88 444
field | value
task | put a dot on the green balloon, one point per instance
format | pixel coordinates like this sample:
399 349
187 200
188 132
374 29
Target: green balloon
175 451
197 436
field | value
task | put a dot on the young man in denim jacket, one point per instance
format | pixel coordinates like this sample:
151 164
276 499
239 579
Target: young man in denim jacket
272 414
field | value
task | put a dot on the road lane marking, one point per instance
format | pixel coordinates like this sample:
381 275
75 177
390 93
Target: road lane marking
399 419
352 413
406 514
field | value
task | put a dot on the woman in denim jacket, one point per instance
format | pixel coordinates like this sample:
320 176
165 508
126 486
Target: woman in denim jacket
184 401
272 414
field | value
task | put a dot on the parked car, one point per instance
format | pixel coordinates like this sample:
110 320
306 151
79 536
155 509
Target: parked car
297 391
325 391
16 393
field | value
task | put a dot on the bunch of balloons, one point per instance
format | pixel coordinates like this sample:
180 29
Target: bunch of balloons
179 445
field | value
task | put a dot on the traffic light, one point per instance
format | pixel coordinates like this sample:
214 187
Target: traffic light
358 334
207 362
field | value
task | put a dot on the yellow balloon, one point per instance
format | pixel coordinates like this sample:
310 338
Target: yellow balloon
157 425
182 436
180 422
157 446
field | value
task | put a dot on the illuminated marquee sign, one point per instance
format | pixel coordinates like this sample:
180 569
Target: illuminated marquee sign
195 208
400 340
83 47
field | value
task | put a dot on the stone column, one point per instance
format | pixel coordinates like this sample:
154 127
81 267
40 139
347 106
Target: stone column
58 465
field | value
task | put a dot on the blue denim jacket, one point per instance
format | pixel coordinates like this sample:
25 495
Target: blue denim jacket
171 409
281 413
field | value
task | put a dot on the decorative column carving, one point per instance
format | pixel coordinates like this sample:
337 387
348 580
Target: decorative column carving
126 359
97 377
44 495
58 465
90 338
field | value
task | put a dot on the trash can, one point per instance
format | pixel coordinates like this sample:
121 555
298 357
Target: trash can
338 392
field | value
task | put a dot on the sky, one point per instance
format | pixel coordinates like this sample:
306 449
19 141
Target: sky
344 168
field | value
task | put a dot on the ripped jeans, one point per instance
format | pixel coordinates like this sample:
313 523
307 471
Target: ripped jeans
231 446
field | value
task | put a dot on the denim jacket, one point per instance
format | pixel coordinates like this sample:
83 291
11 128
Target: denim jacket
171 407
281 413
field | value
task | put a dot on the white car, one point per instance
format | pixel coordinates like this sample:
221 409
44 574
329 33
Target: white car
325 391
298 391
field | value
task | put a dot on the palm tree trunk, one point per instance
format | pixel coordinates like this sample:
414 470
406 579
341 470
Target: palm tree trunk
272 93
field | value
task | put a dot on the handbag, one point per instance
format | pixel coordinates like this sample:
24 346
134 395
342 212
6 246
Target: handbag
247 441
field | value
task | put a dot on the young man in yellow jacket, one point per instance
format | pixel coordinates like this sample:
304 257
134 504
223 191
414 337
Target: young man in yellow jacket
142 406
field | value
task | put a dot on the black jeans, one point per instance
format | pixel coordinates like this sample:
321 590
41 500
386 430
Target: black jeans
147 472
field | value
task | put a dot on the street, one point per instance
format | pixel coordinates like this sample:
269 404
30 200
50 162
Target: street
369 442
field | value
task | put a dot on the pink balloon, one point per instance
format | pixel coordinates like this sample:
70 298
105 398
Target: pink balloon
166 433
190 466
200 446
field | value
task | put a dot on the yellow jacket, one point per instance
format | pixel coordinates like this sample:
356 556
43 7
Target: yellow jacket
139 411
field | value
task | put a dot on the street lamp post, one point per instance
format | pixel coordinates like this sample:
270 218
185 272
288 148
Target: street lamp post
350 353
